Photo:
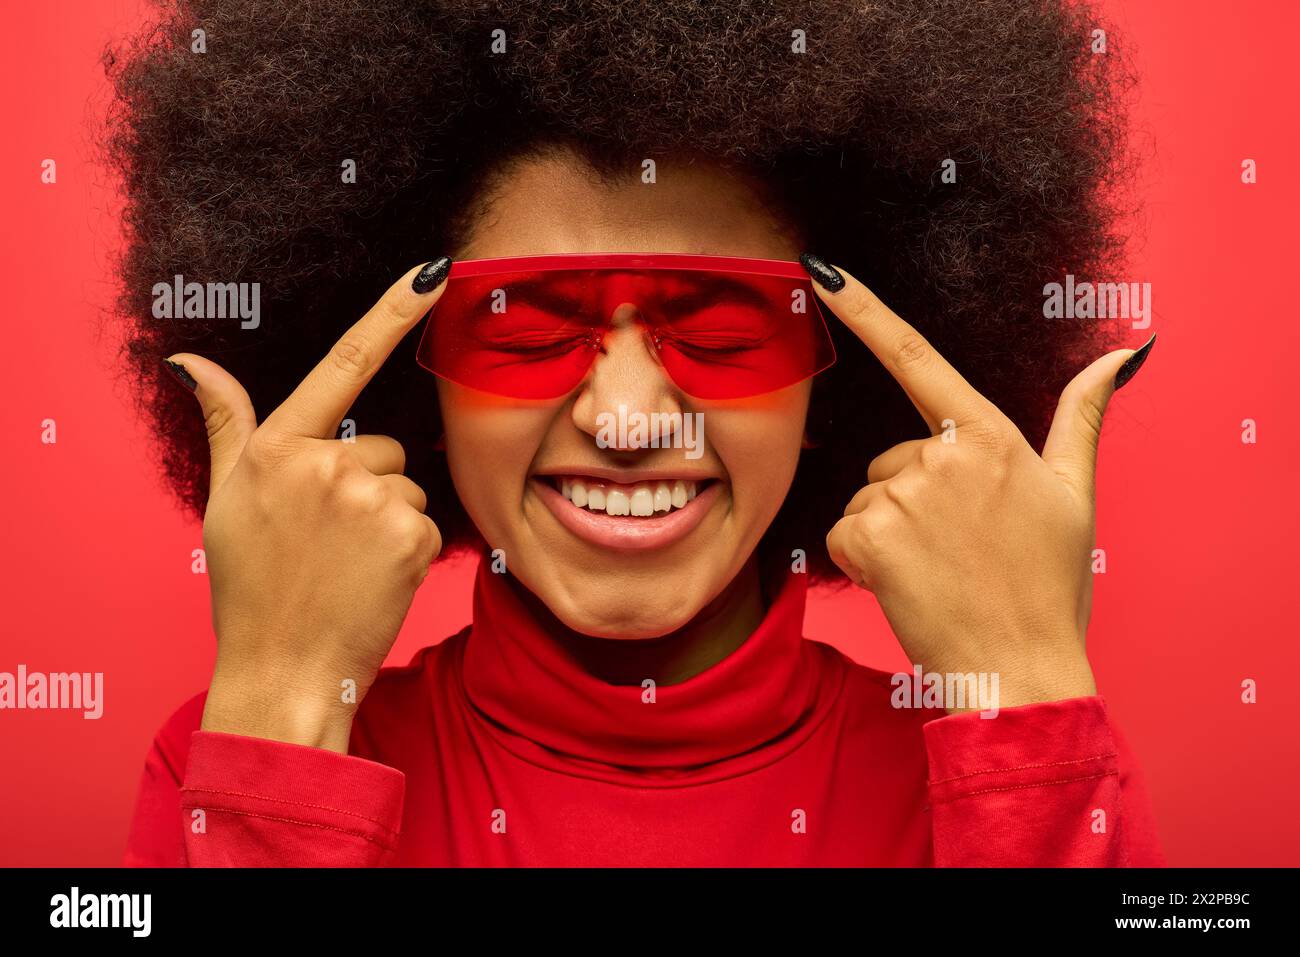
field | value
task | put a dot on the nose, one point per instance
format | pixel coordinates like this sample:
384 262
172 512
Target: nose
626 379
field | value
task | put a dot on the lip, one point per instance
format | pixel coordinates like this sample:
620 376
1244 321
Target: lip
625 532
625 476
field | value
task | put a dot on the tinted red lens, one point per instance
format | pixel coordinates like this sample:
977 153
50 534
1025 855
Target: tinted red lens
511 334
533 332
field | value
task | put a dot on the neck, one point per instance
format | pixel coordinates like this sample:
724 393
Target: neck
718 630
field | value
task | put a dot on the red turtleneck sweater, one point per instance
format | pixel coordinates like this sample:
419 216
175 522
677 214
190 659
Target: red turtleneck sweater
496 748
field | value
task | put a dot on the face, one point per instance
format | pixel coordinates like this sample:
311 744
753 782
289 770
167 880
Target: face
517 464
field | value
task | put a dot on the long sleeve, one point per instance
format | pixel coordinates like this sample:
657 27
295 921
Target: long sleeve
157 838
1041 785
230 800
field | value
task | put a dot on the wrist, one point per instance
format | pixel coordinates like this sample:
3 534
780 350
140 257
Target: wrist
1039 679
299 711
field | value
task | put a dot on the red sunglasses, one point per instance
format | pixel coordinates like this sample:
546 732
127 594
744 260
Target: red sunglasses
531 327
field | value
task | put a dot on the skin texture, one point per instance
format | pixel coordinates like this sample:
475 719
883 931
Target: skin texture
555 204
976 548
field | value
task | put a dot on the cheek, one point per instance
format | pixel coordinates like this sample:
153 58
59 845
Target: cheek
759 448
489 447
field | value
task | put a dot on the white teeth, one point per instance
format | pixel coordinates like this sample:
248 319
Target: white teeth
679 494
642 500
663 497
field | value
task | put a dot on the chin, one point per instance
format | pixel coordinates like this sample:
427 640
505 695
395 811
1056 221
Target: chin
619 610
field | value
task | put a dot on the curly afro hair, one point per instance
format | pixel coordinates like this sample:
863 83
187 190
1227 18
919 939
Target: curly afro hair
230 164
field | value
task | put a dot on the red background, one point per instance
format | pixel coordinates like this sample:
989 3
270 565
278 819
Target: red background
1198 527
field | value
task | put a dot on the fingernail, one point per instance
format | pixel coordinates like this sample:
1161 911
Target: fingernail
432 274
181 373
828 277
1134 362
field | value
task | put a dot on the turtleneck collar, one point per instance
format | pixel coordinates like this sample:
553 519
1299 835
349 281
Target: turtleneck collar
762 698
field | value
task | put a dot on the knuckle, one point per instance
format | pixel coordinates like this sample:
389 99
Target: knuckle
833 537
328 466
835 542
835 546
217 421
865 309
937 457
399 452
910 351
858 502
878 468
351 356
365 494
900 494
411 536
407 492
869 309
870 529
847 553
394 307
1091 413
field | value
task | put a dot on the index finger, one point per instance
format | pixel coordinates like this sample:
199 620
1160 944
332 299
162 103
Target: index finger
936 389
319 403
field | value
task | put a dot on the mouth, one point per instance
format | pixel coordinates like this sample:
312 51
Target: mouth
641 500
645 514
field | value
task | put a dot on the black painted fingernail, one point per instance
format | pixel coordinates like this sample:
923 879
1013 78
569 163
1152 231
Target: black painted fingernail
827 276
181 373
1134 362
432 274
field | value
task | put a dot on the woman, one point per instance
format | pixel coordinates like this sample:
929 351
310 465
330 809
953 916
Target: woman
634 687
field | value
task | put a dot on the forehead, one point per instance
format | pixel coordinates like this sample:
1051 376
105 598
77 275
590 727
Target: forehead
563 291
555 203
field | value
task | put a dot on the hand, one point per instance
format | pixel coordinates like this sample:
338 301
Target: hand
315 546
977 548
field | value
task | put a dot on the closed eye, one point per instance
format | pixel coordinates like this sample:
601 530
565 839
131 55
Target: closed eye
706 344
538 343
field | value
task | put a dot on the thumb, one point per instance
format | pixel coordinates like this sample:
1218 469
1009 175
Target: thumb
227 410
1071 447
